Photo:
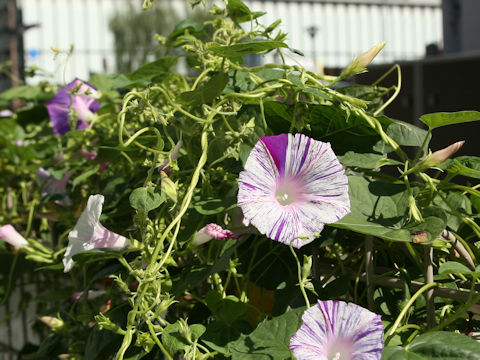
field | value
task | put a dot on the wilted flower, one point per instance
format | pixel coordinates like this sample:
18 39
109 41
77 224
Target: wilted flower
78 99
209 232
11 236
335 330
89 234
89 155
292 185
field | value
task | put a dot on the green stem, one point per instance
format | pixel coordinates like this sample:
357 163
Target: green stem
157 341
408 305
299 274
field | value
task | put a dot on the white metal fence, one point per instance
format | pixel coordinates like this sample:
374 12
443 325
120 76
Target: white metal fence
345 28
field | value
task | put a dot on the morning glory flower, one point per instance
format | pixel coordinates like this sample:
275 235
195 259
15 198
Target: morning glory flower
11 236
78 97
335 330
53 186
291 187
89 234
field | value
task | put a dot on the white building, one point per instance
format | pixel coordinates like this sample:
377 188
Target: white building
344 28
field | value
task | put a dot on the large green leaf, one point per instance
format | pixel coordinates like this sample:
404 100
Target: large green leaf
436 120
244 48
269 340
379 209
439 345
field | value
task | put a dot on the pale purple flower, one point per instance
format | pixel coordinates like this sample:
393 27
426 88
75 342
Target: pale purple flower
53 186
291 187
335 330
209 232
89 234
11 236
78 97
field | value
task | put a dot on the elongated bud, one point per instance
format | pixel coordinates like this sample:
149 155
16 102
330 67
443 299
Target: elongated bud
439 156
168 186
52 322
360 63
413 211
367 57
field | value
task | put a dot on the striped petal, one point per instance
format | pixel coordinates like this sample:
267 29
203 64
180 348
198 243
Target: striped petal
292 185
337 330
90 234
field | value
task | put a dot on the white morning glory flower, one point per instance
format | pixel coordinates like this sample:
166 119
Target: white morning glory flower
335 330
89 234
291 187
11 236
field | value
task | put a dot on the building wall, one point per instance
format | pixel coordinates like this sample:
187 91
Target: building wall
345 29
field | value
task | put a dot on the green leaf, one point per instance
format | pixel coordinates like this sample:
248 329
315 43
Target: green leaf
269 340
144 199
210 205
453 267
91 256
380 208
364 161
244 48
26 92
80 178
439 345
219 334
174 340
227 309
463 165
153 69
404 133
206 93
439 119
240 12
185 25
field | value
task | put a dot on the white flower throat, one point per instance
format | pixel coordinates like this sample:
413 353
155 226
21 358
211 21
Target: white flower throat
287 193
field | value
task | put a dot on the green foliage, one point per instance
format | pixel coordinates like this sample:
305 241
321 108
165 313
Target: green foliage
165 150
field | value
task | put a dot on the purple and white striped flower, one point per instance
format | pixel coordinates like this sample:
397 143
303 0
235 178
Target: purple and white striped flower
90 234
335 330
291 187
79 97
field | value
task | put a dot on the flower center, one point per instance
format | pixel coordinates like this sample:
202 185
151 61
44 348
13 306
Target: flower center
286 194
340 349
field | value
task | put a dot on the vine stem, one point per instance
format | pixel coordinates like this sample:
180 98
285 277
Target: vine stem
408 305
157 341
299 273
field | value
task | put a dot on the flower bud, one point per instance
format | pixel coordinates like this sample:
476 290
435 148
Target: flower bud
209 232
439 156
52 322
